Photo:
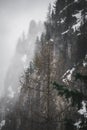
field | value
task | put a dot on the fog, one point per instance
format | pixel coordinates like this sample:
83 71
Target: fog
14 19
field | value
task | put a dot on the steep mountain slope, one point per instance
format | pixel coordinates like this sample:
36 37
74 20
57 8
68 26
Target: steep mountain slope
68 27
60 55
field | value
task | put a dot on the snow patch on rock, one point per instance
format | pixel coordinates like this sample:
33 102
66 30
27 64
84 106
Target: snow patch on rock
68 76
65 32
76 26
51 40
2 124
84 64
78 16
85 61
83 110
62 20
77 124
76 1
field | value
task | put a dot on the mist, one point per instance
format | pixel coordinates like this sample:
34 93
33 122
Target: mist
14 19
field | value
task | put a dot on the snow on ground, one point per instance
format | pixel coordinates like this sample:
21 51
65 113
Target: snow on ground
2 124
83 110
11 92
68 75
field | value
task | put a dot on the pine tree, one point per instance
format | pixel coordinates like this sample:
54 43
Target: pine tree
77 99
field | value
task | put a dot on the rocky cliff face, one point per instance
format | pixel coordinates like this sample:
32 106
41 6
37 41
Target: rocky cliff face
69 29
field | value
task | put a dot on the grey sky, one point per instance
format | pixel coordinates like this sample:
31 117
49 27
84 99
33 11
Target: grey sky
14 18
